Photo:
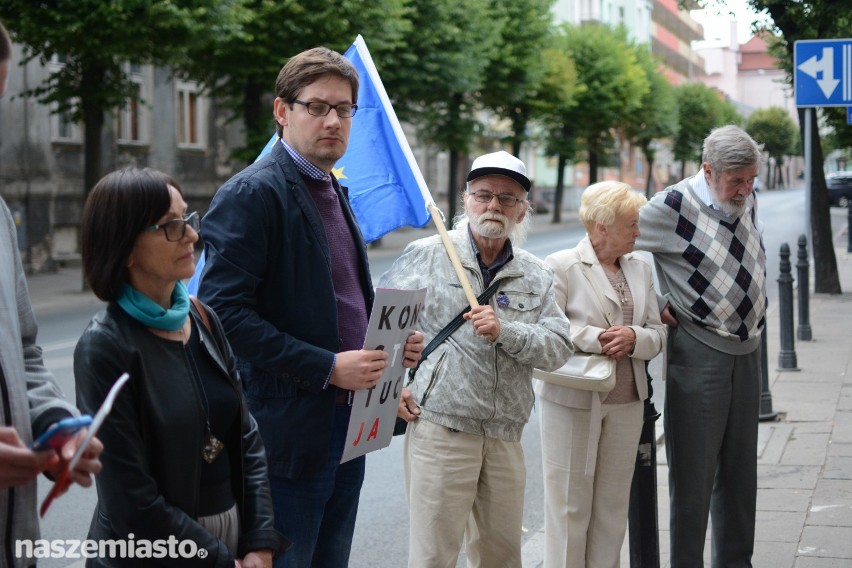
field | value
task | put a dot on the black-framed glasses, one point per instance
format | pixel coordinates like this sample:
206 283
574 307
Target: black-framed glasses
343 110
505 199
175 229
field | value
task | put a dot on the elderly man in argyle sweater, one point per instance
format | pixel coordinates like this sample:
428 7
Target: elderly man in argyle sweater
706 242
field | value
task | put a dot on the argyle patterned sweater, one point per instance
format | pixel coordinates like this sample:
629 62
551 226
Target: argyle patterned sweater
711 268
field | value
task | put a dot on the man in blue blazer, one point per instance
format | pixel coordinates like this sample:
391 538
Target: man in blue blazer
287 273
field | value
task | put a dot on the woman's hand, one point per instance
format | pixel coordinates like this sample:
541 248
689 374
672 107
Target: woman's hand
617 342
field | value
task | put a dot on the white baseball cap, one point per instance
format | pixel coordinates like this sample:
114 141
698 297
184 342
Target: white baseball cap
500 163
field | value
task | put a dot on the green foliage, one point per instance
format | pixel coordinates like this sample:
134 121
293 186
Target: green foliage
840 136
240 69
95 38
613 85
657 116
700 110
773 128
437 78
556 100
514 75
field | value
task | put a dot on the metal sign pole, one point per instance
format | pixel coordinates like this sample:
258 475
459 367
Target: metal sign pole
808 176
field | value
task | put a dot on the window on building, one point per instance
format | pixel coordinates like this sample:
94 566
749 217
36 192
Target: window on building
191 115
132 119
62 128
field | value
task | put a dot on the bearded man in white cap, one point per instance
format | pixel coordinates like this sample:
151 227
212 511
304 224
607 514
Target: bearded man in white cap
472 395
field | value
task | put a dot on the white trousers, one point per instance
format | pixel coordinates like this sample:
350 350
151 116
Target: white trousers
463 486
586 515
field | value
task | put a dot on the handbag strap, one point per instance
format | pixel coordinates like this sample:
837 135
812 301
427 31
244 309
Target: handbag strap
591 278
201 312
449 329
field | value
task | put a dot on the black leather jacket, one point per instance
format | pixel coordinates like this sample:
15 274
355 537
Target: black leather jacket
153 441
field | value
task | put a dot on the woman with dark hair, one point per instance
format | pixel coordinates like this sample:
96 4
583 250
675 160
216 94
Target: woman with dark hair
184 457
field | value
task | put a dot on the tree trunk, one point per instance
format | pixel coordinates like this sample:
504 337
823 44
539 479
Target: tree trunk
826 278
93 123
649 180
560 188
452 190
593 166
519 130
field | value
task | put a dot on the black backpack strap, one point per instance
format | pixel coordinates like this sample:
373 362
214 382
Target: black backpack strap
449 329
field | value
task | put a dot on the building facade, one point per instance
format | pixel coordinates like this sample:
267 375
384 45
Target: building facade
170 126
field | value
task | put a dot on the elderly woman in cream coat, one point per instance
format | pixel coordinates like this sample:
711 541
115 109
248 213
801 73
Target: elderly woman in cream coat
590 439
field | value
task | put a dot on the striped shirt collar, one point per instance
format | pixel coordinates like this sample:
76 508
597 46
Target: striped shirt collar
303 165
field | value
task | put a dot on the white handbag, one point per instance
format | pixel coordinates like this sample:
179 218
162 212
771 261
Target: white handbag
584 371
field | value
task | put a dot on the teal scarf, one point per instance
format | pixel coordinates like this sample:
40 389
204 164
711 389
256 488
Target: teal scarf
149 313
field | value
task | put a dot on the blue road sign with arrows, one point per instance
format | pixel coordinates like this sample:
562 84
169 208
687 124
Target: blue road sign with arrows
823 72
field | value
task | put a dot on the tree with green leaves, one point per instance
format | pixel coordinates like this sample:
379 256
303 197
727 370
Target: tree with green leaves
700 110
773 128
240 69
657 117
553 105
514 75
607 64
611 84
96 39
440 75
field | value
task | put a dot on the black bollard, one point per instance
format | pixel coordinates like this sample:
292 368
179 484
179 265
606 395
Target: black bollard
787 353
642 515
849 226
803 331
766 412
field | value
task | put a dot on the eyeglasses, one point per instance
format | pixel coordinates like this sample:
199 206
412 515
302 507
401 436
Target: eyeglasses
344 110
505 199
175 229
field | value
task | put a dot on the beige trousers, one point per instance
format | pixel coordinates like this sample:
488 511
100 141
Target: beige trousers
586 515
463 486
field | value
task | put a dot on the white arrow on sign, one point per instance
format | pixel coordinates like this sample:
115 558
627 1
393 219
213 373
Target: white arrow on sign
825 65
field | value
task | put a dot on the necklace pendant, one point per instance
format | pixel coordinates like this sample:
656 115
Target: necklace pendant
212 447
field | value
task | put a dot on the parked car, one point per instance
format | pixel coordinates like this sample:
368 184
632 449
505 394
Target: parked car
839 186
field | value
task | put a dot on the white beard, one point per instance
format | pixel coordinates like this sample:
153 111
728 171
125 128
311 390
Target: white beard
731 208
491 230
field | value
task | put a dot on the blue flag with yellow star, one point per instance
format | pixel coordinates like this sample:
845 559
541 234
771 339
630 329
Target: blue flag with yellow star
386 188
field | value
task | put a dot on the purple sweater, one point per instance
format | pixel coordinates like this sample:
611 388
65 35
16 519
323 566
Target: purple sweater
352 316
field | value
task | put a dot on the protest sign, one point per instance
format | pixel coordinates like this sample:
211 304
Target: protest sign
392 320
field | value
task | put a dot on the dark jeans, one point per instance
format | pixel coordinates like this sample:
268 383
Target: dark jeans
318 513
